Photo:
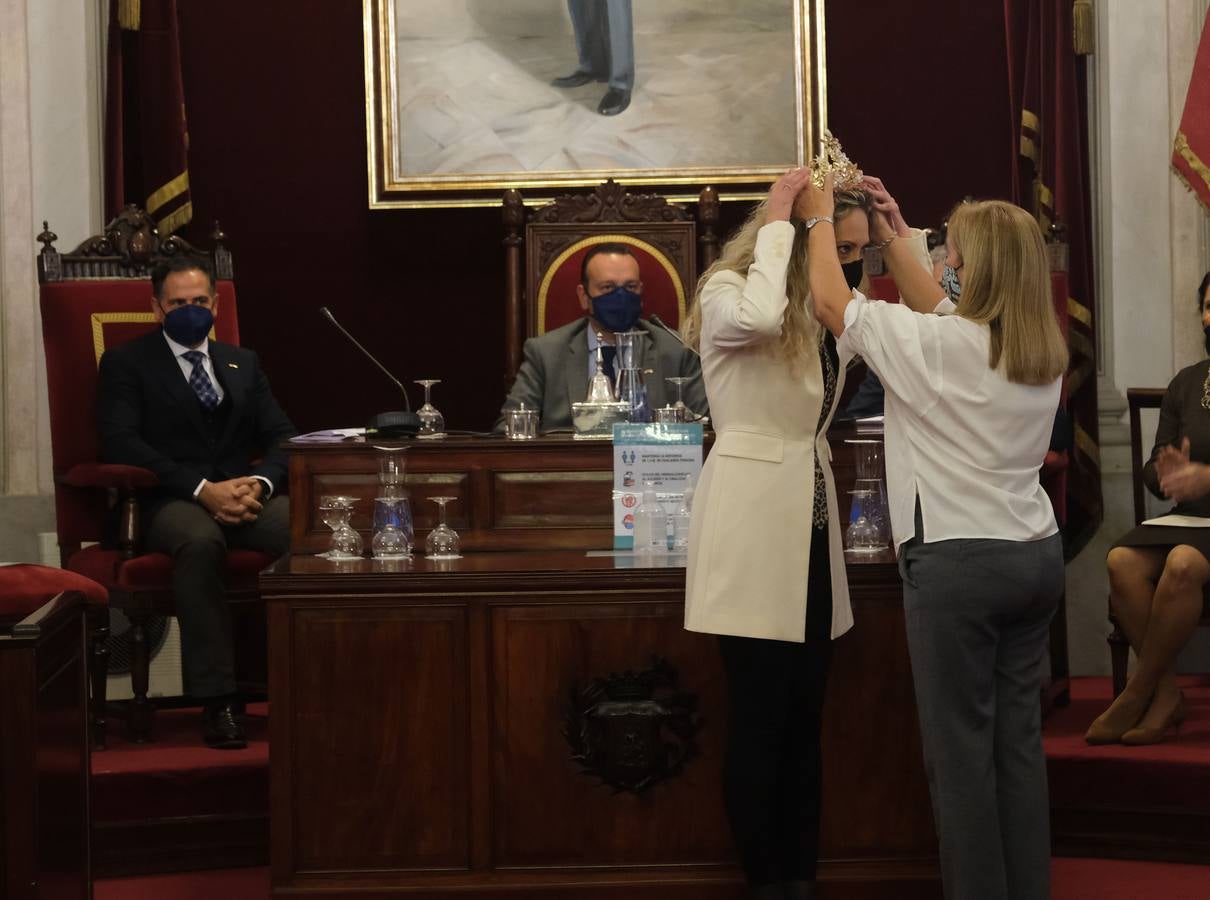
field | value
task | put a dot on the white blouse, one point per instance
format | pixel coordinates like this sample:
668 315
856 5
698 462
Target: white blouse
959 435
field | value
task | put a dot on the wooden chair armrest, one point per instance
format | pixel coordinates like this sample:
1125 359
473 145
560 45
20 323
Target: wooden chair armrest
109 475
31 626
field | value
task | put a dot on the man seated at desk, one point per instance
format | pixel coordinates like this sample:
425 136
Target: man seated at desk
556 367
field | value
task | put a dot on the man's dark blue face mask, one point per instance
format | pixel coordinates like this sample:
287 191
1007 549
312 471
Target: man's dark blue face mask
617 310
188 324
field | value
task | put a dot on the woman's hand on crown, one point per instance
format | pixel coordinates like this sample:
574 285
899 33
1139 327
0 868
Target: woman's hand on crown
818 203
783 194
882 202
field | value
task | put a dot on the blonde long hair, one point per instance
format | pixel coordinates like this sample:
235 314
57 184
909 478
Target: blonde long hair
1005 280
800 333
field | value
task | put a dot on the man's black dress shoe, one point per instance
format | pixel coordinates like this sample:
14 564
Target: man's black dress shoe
614 102
575 79
222 732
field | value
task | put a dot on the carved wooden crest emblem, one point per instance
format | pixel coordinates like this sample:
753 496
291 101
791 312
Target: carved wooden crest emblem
633 730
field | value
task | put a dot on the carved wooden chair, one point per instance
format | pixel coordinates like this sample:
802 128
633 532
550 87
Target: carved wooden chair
544 249
1137 400
96 296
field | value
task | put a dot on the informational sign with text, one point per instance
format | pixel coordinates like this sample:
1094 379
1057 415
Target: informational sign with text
666 455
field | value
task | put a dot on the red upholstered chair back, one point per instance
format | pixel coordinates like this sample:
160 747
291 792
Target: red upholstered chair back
544 249
82 316
665 292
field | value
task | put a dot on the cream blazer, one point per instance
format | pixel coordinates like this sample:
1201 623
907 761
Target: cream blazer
750 531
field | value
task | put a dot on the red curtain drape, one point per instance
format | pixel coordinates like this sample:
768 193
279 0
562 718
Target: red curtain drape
146 133
1047 84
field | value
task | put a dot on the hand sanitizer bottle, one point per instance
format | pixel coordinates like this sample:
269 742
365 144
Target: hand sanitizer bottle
680 520
650 523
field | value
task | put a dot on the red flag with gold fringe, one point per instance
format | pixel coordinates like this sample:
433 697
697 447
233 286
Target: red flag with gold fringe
1191 149
146 134
1047 40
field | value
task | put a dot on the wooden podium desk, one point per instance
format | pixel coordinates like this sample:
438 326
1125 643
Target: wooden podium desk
551 493
427 717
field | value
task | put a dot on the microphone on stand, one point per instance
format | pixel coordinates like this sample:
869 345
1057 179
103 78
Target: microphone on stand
388 424
656 320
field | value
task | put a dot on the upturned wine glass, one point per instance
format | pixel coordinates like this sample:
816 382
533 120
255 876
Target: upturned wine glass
432 423
443 541
679 381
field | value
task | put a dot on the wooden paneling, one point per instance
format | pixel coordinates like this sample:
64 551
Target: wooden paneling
44 756
417 745
541 656
380 785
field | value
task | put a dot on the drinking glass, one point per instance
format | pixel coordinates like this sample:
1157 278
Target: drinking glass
670 415
432 423
335 512
442 542
390 540
876 509
391 472
862 534
679 382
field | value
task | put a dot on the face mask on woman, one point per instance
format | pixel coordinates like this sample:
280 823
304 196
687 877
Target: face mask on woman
950 283
1207 332
853 272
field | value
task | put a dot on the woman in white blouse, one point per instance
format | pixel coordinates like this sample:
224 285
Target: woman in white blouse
766 568
971 393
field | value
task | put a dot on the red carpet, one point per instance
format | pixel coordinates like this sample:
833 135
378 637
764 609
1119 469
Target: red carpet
1174 774
178 775
1071 879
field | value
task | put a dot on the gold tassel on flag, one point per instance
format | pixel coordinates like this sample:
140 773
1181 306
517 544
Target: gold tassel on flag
1083 30
129 14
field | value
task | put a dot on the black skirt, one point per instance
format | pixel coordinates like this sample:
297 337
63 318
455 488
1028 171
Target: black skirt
1166 536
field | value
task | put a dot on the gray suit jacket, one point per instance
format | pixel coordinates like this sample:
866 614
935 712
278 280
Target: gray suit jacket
554 373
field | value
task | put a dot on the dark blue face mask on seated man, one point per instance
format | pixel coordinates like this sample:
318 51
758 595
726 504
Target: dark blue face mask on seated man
188 324
618 310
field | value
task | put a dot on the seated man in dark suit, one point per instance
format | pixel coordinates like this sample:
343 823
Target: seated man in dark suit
556 367
196 413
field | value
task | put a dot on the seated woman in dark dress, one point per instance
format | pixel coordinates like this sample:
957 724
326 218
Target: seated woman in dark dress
1157 572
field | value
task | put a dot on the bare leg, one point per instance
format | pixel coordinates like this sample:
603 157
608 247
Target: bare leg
1175 612
1133 575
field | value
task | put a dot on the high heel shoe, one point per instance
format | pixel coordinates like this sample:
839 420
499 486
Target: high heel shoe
1123 714
1137 737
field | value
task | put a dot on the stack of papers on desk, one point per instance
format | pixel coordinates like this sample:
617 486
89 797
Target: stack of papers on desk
332 435
869 423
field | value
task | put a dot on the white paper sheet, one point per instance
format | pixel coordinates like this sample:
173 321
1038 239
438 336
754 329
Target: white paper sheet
1179 521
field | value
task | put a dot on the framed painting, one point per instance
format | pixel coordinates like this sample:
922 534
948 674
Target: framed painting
467 98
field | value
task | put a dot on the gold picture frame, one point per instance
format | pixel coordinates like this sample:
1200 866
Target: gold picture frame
425 149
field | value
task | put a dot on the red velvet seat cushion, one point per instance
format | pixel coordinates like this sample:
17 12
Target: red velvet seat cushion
24 588
153 571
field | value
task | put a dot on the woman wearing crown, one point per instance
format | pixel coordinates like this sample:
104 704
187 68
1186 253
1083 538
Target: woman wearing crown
971 392
766 570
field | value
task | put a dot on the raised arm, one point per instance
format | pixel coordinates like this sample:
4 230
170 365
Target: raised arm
829 291
913 274
739 309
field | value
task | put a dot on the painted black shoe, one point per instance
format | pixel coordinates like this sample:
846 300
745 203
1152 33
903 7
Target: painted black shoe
575 79
614 102
222 732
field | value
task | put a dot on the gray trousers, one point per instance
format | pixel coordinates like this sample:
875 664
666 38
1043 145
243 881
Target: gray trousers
978 616
605 39
198 546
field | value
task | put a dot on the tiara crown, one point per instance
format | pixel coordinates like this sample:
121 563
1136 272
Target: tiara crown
847 176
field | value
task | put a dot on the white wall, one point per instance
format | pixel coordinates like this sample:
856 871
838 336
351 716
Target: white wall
50 115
